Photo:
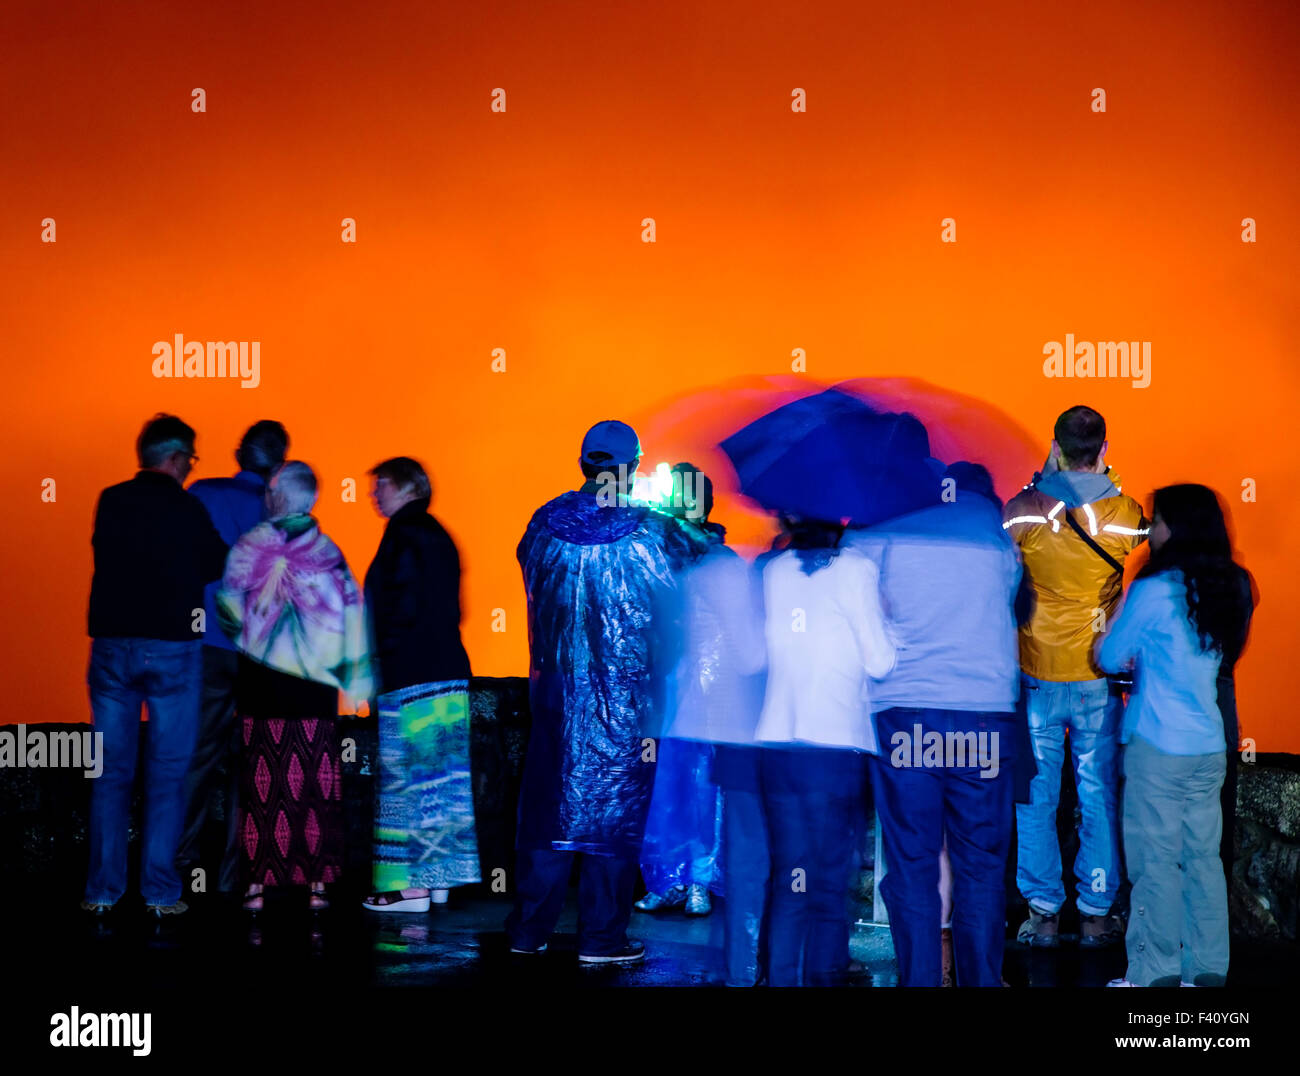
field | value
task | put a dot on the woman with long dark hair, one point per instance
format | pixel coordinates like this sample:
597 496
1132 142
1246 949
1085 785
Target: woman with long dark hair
826 637
1185 617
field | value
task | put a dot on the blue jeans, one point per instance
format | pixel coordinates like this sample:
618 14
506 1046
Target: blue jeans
167 676
917 805
1092 714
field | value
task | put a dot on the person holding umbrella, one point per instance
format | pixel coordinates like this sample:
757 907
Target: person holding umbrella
820 462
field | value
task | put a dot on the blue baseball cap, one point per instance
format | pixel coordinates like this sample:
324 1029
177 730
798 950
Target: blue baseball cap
610 442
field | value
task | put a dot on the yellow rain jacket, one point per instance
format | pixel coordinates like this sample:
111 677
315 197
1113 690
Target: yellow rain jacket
1069 582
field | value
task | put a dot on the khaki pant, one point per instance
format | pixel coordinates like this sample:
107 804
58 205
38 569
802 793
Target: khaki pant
1172 824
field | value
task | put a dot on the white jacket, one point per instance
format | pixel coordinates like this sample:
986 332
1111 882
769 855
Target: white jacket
825 638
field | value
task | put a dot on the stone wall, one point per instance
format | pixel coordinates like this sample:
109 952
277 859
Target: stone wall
43 814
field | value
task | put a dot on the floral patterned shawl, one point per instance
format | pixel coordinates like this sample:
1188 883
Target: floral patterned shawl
289 601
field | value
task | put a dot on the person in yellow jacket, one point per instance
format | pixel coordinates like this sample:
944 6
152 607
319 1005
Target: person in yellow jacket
1074 527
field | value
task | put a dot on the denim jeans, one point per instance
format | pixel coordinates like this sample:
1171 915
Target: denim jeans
1091 713
166 676
917 805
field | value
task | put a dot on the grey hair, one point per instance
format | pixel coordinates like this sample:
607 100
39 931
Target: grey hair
296 484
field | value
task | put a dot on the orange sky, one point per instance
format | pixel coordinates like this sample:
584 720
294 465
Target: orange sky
522 230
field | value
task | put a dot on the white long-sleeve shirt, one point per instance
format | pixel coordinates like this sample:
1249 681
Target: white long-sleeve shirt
825 639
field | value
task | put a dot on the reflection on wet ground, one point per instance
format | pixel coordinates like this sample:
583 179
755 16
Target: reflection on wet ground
462 944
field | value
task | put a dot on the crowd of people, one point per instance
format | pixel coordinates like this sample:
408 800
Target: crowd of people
698 721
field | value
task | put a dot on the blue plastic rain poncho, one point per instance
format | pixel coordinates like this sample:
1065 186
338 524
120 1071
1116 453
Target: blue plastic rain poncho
597 577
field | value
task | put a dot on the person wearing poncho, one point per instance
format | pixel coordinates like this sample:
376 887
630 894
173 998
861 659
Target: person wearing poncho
294 612
595 569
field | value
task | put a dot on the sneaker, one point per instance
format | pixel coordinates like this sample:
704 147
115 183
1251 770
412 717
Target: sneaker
530 952
1100 931
697 901
159 910
632 953
1039 931
1184 982
97 911
1120 982
654 903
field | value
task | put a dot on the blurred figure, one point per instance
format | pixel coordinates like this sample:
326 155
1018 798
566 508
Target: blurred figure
425 842
945 724
679 854
155 548
235 505
826 635
1186 614
595 568
1074 529
296 616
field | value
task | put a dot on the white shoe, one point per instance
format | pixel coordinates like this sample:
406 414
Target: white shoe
1186 983
439 896
406 904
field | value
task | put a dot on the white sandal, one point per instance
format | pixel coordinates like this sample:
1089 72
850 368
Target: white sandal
402 904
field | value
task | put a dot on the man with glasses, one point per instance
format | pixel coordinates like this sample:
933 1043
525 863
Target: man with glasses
154 548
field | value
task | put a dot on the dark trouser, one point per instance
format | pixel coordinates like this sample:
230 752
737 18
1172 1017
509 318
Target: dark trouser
745 863
606 886
916 805
809 795
215 765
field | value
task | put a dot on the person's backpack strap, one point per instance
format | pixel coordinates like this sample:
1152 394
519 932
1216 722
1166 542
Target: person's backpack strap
1074 526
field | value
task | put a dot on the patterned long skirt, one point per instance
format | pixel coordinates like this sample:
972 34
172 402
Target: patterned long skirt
291 801
424 809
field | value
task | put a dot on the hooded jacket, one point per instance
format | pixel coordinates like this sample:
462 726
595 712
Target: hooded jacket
597 579
1067 583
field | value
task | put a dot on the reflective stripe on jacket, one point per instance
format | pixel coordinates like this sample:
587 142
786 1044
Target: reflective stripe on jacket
1069 582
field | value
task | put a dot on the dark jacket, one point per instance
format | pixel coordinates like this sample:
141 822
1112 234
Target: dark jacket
155 548
413 593
236 505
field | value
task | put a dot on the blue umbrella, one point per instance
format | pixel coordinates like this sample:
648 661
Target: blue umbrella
832 457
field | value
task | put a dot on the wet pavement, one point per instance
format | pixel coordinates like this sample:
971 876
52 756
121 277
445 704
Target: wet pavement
463 944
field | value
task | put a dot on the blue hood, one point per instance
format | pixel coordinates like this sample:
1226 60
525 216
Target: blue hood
1077 488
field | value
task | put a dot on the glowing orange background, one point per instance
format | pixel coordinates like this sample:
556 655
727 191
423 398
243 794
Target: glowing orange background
776 230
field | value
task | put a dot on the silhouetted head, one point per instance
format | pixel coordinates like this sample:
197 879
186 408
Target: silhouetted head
263 447
166 445
291 490
973 478
396 483
1079 440
1189 534
692 493
610 448
815 541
